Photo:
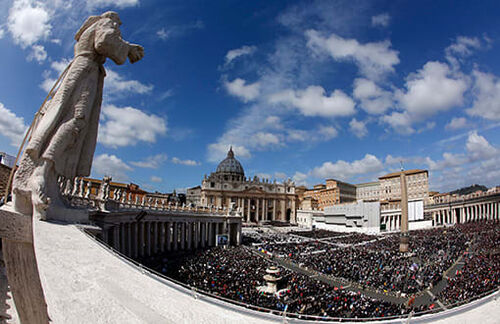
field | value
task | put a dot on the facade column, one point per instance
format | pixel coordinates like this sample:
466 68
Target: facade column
274 209
283 210
257 211
175 237
293 216
248 210
168 234
229 233
121 237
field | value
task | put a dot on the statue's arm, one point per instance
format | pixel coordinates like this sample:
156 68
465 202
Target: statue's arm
108 42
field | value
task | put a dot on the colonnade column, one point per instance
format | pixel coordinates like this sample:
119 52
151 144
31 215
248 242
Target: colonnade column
189 228
175 235
129 239
162 237
168 229
248 210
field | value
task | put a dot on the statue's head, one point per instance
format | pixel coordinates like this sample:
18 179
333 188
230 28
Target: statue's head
93 19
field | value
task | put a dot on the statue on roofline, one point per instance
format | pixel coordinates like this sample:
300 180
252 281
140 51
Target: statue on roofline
64 133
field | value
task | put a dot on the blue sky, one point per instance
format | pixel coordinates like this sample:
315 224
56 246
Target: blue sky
304 90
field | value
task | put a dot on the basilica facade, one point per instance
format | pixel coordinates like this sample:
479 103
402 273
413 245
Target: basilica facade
258 200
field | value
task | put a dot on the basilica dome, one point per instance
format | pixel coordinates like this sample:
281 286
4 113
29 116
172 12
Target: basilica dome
230 165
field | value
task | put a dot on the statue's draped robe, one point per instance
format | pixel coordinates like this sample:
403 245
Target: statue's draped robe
66 132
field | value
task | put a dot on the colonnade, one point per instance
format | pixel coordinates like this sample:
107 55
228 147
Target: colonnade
136 237
392 222
466 213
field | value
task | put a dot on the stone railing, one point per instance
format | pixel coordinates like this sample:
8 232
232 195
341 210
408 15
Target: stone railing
78 194
457 198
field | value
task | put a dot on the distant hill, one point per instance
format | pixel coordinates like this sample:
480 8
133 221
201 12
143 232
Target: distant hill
469 189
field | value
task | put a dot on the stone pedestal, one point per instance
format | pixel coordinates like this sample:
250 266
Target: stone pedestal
16 231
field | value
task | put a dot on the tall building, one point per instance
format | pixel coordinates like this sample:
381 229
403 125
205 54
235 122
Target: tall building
333 192
259 200
417 182
369 191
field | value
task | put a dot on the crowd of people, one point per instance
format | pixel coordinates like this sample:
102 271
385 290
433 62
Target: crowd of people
481 271
236 272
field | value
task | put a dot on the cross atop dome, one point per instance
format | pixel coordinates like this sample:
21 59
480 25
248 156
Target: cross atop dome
230 153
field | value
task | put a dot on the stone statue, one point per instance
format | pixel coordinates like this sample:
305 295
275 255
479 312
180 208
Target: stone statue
104 188
65 131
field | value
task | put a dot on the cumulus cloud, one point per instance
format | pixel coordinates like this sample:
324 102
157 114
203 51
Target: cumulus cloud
373 59
38 54
280 175
127 126
431 90
300 179
461 48
317 134
111 165
151 162
479 148
12 126
358 128
176 160
235 53
456 123
117 84
50 76
313 102
239 88
2 33
381 20
28 22
344 170
374 100
486 93
400 122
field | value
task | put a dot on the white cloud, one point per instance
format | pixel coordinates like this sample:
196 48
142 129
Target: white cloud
318 134
111 165
176 160
2 33
112 3
235 53
343 170
162 34
486 93
479 148
400 122
373 59
239 88
218 151
431 90
117 84
12 126
28 22
381 20
265 139
151 162
38 53
313 102
263 175
461 48
127 126
456 123
358 128
374 100
156 179
170 32
300 179
327 132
